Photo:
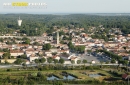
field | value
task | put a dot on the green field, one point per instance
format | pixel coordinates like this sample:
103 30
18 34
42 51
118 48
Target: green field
27 76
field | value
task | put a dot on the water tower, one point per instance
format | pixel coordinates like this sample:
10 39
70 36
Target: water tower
19 22
57 37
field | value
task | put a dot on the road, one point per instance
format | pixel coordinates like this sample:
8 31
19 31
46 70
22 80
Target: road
17 66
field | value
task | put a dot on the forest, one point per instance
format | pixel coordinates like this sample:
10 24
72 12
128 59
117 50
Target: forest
45 23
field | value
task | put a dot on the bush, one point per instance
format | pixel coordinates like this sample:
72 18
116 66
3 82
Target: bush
9 70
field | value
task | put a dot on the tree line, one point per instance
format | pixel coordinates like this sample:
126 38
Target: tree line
8 22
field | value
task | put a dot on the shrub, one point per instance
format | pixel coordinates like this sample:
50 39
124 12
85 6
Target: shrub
9 70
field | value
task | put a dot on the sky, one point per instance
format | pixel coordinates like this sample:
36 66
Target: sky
70 6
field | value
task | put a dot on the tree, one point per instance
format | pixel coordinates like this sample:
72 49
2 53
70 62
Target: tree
61 33
91 66
107 62
42 60
71 46
81 49
49 60
26 40
24 65
36 43
57 83
54 53
46 46
125 62
84 62
78 61
36 61
101 62
23 56
39 74
72 61
6 55
55 61
61 61
18 61
6 50
89 51
12 57
113 61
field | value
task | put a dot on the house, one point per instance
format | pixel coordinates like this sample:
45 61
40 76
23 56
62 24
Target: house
83 35
111 44
56 57
79 44
63 51
30 51
39 47
35 47
81 29
65 46
16 53
74 59
98 44
32 57
21 45
123 54
48 53
65 56
4 46
90 44
54 50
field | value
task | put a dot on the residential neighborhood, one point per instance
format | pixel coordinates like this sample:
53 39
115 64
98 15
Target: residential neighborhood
33 47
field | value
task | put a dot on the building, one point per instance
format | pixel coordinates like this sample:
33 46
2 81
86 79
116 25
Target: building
19 22
16 53
33 57
57 37
56 57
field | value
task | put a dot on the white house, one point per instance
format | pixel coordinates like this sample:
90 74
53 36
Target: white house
56 57
33 57
74 59
48 53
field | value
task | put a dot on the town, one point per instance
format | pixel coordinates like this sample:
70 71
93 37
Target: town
62 55
61 45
